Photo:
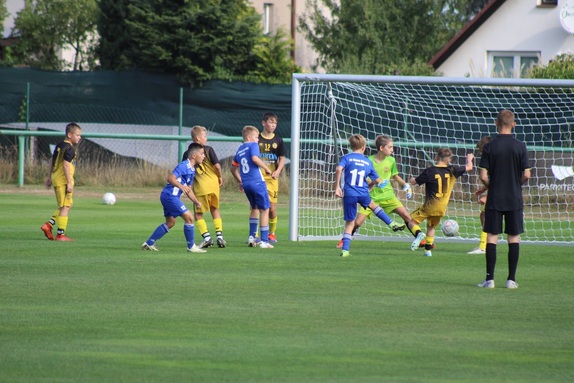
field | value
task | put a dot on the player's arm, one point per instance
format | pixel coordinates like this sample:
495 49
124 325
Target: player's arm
218 173
48 182
257 161
404 185
484 177
525 176
235 171
280 165
469 162
67 166
338 173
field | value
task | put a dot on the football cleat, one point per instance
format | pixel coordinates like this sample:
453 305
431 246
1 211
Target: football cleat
221 242
272 238
206 243
63 238
428 253
340 244
253 241
487 284
145 246
478 250
397 226
196 249
265 245
417 241
47 229
345 253
510 284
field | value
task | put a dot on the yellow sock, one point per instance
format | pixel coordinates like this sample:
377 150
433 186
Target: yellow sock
272 224
414 229
218 224
62 223
201 226
54 217
482 243
429 240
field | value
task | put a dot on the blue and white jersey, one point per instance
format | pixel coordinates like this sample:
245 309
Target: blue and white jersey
250 172
184 172
356 169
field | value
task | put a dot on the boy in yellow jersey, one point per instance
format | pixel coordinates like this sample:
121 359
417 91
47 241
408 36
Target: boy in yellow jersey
386 166
481 194
62 169
272 152
206 188
439 180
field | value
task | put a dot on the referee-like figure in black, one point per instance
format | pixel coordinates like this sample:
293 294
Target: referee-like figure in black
504 168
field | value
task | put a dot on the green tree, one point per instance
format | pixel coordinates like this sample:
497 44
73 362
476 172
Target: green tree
47 26
382 36
559 68
3 13
193 39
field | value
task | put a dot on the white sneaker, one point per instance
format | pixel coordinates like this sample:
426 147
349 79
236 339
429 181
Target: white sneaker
145 246
417 241
510 284
196 249
253 241
478 250
486 284
265 245
428 253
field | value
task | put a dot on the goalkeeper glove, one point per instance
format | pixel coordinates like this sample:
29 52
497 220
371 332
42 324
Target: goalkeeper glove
383 183
407 188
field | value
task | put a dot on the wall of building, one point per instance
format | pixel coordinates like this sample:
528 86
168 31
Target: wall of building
519 26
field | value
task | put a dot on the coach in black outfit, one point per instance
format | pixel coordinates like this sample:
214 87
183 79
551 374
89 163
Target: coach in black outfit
504 168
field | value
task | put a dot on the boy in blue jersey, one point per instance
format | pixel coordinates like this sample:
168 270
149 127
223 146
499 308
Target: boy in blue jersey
246 169
179 182
357 169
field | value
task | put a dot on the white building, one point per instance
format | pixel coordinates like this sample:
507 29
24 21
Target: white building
507 37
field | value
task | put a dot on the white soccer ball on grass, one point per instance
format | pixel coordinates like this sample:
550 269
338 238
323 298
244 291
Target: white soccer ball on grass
109 199
450 228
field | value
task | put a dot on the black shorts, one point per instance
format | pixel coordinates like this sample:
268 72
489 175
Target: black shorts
513 222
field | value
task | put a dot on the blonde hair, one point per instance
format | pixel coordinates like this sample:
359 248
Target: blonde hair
196 130
357 141
382 140
249 130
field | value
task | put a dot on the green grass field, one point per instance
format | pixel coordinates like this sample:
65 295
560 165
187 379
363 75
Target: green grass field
102 310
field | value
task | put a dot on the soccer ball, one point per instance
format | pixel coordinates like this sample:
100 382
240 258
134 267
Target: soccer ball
109 199
450 228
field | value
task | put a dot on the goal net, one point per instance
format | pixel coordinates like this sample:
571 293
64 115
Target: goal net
421 115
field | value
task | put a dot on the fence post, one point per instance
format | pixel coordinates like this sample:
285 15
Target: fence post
21 156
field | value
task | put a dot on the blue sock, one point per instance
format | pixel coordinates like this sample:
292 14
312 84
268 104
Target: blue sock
379 212
159 232
188 232
264 233
253 223
346 241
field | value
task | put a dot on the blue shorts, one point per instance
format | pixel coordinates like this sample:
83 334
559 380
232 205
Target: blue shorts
257 195
350 206
172 205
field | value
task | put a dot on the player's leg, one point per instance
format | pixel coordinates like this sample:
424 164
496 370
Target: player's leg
432 223
481 248
200 221
493 226
213 203
253 216
273 191
361 217
513 227
349 215
171 210
417 217
263 203
189 232
65 202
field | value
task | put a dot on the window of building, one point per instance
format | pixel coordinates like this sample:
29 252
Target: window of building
511 64
267 18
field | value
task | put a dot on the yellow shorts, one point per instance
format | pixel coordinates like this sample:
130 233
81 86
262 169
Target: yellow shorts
419 215
272 189
63 198
388 205
207 202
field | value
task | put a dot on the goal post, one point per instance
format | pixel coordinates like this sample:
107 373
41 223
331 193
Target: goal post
422 114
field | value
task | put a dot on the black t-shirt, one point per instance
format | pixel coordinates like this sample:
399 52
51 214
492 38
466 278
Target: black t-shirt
505 158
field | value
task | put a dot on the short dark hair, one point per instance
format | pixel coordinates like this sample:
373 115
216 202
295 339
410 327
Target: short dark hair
193 148
269 115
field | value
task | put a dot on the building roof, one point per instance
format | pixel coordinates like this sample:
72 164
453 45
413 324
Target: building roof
489 9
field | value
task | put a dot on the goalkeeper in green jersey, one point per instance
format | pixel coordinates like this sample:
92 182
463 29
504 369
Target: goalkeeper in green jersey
385 165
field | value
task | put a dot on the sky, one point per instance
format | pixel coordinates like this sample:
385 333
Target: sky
13 7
